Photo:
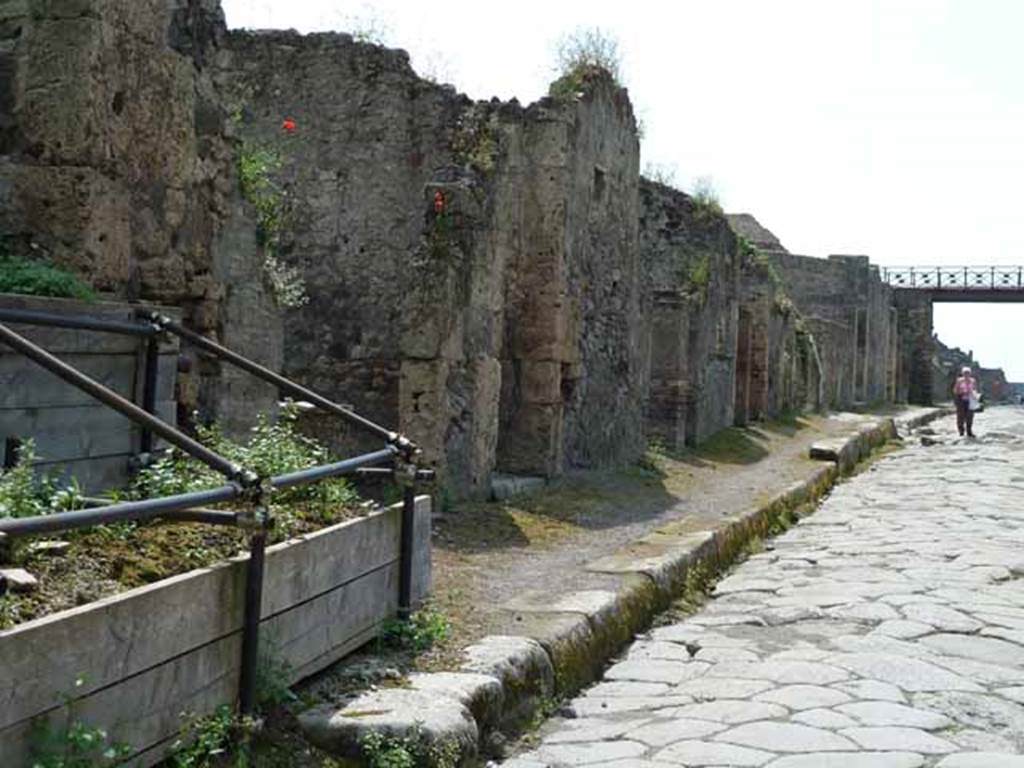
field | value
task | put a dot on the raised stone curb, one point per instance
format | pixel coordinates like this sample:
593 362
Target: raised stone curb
555 647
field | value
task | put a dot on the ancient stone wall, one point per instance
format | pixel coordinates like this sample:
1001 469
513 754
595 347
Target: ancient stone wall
471 268
947 362
115 163
691 268
368 134
778 366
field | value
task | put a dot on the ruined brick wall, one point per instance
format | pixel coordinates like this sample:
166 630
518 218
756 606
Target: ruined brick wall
602 378
115 163
493 279
691 268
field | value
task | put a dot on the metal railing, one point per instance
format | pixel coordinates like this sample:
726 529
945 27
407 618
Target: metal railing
241 484
1004 278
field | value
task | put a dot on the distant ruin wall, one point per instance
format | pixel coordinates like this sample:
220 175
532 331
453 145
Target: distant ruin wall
846 307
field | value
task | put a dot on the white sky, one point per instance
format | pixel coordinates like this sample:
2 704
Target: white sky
893 128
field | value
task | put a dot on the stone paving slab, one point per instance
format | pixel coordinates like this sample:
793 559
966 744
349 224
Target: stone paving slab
886 630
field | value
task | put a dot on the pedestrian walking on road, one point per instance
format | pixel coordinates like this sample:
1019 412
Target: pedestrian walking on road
967 400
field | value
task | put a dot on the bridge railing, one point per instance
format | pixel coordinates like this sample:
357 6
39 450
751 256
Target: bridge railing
955 278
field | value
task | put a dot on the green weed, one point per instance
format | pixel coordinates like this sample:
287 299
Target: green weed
421 632
40 278
411 750
581 55
258 167
23 494
79 745
273 448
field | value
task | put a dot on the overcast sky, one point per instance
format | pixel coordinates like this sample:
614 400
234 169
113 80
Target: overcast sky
892 128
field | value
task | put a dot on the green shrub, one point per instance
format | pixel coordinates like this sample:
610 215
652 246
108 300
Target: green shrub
411 750
205 741
257 166
705 197
582 54
79 745
22 494
422 631
40 278
273 448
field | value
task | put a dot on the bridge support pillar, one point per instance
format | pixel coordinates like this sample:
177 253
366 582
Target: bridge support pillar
915 348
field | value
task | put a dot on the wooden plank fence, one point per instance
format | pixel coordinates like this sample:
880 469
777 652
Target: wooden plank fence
74 434
149 655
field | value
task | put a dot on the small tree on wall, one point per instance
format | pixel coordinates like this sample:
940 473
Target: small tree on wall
583 53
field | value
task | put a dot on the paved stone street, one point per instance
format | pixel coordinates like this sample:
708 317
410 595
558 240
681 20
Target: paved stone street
886 630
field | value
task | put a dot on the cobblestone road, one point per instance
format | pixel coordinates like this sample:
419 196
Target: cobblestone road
884 631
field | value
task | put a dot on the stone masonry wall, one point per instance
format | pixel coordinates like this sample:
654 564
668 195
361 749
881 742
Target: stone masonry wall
691 269
471 268
115 163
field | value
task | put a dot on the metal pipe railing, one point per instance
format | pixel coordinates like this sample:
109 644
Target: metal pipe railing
297 390
405 553
251 622
125 407
324 471
143 509
149 508
76 322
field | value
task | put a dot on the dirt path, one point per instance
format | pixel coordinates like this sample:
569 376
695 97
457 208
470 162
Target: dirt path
486 554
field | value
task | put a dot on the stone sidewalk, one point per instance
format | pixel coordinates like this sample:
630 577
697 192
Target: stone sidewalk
885 630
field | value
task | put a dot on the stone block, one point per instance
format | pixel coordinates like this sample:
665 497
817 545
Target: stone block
522 666
482 695
17 580
569 642
507 486
540 381
76 215
437 718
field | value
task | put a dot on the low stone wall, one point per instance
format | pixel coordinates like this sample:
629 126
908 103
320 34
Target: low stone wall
75 435
146 656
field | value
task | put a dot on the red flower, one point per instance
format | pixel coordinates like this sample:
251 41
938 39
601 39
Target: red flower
288 124
438 202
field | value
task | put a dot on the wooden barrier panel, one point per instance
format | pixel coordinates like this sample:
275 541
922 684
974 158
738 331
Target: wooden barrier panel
149 655
74 433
